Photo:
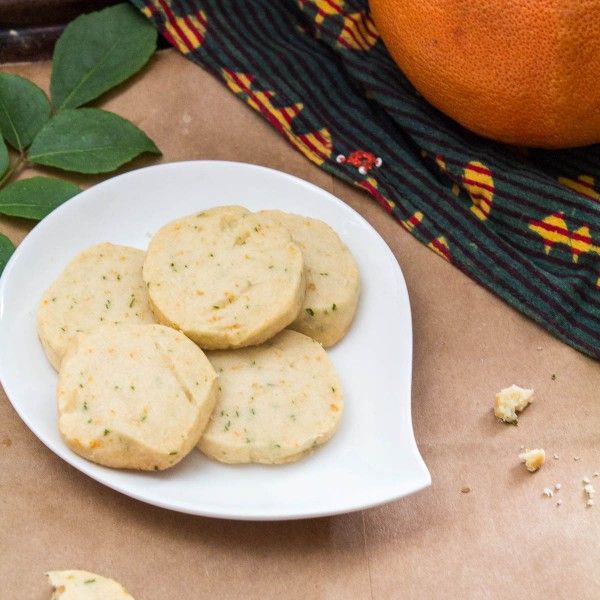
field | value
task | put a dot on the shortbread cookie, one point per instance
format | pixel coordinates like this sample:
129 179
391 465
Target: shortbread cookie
332 278
103 284
277 401
226 277
134 396
83 585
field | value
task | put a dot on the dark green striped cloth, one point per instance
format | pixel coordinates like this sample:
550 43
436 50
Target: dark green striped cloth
525 224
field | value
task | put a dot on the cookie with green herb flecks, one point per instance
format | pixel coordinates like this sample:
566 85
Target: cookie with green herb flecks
226 277
332 278
102 284
83 585
134 396
277 401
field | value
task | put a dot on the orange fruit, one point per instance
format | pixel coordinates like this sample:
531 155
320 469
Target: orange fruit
525 72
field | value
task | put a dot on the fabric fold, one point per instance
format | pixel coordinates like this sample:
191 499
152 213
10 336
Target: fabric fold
523 223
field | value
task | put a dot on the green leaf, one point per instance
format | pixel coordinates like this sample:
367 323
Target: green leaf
89 140
24 108
4 159
98 51
6 249
36 197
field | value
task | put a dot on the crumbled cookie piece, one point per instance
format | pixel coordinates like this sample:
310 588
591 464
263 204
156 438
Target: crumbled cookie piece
533 459
589 491
509 401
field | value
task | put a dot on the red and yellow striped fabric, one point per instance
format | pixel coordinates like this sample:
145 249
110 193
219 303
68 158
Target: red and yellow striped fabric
525 224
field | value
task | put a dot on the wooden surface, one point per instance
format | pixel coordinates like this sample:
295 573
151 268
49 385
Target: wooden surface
29 28
16 13
503 539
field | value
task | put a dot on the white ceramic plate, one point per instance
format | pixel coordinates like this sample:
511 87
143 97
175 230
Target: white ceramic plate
373 457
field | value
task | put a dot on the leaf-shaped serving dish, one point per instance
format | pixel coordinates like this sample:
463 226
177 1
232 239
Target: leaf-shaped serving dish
373 457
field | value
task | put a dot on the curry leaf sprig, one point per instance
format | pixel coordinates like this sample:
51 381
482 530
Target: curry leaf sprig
96 52
6 249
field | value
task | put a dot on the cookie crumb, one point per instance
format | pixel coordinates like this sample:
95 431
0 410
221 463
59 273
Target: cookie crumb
589 502
555 457
558 502
557 486
511 400
595 474
586 480
465 489
577 458
533 459
548 492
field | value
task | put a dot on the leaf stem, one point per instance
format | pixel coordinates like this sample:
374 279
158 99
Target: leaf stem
15 168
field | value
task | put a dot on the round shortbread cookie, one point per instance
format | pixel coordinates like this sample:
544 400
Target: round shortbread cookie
226 277
332 278
102 284
277 401
134 396
83 585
